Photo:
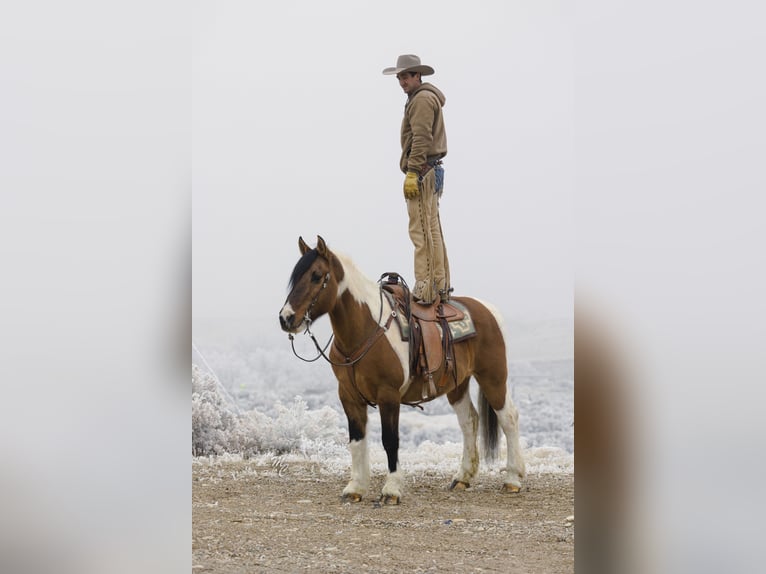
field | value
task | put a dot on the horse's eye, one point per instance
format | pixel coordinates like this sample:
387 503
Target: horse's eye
316 277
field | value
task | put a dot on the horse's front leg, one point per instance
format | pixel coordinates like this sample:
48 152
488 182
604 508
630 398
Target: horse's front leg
356 413
389 420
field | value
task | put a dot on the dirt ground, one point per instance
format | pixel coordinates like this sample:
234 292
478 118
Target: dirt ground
290 518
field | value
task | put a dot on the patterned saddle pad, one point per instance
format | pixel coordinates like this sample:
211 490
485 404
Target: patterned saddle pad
461 329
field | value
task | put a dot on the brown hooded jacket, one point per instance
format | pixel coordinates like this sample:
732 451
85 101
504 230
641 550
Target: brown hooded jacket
423 134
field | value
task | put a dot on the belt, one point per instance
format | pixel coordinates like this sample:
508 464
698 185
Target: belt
431 162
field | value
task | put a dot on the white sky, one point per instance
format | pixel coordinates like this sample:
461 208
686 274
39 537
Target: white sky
296 132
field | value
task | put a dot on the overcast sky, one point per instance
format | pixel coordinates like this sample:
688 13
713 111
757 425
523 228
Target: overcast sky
296 132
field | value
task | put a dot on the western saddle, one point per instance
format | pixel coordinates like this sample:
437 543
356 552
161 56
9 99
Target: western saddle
431 343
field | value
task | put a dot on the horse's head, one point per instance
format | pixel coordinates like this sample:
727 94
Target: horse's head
313 286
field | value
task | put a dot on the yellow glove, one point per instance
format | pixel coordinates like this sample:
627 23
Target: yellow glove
411 189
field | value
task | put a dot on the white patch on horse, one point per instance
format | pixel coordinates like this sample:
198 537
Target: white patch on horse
393 485
401 348
362 289
287 311
469 425
366 291
360 468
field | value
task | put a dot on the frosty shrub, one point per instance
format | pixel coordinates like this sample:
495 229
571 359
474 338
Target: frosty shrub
217 429
296 425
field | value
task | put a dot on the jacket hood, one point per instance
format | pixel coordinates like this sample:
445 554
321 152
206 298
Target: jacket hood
430 88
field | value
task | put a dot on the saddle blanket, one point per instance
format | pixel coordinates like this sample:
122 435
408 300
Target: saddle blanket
458 329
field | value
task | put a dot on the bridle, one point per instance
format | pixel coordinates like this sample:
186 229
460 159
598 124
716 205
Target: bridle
357 355
307 319
307 315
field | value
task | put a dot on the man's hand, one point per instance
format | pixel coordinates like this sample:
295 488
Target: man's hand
411 185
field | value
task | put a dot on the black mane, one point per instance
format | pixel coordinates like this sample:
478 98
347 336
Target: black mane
302 266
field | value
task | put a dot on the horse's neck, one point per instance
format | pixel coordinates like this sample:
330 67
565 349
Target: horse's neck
357 308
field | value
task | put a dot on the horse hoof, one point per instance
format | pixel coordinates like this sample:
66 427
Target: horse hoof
389 499
352 497
458 485
512 488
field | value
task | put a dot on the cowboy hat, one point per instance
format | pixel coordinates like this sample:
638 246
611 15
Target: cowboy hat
409 63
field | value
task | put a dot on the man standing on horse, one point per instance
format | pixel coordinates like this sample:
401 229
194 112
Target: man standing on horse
424 144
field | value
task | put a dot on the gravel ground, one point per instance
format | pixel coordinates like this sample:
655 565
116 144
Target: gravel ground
250 518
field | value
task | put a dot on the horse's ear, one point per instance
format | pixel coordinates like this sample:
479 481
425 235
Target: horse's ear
302 246
321 246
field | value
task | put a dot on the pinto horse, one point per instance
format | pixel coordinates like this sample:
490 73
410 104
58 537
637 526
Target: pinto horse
371 363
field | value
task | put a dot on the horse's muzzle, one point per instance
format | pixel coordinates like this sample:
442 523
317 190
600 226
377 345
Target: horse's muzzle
287 319
286 322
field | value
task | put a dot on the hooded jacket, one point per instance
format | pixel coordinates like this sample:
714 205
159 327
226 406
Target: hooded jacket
423 134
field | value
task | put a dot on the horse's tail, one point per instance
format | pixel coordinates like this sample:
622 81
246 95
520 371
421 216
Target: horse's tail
488 428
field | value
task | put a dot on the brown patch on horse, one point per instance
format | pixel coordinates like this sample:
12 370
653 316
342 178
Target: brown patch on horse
487 357
378 375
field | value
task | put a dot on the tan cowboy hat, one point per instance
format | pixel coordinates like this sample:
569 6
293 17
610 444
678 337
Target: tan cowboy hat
409 63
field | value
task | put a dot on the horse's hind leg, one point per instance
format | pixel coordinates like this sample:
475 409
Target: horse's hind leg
515 470
356 413
467 417
496 406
